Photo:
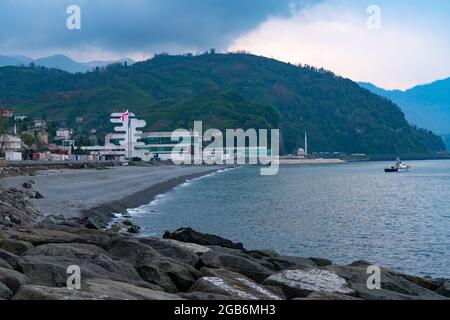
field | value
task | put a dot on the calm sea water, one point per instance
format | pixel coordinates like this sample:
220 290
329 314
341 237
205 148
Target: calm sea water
343 213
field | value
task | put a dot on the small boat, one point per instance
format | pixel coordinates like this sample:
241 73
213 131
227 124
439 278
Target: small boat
398 167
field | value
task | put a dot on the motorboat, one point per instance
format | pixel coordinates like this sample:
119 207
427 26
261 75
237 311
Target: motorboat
399 166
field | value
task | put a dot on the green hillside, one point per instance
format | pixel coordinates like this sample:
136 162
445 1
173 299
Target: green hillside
225 91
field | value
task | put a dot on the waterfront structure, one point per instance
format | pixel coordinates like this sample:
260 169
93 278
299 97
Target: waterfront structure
10 147
63 134
6 113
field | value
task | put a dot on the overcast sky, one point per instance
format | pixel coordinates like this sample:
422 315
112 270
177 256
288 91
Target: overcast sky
412 45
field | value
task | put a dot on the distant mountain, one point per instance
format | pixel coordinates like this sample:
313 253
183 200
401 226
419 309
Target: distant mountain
59 61
427 106
224 91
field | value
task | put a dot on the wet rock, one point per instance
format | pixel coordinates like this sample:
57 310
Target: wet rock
4 264
321 262
444 289
173 249
5 292
246 266
192 236
38 195
170 274
300 283
12 279
73 250
52 270
393 286
327 296
90 223
134 229
37 236
231 284
124 291
127 223
27 185
15 246
291 263
204 296
34 292
10 258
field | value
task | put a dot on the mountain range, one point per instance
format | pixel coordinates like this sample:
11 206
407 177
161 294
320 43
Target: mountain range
59 61
427 106
224 91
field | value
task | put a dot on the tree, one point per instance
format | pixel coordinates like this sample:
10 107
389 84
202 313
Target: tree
28 139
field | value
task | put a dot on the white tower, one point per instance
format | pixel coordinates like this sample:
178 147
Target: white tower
128 135
306 144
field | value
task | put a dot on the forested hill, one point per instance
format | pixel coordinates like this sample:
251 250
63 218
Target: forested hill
225 91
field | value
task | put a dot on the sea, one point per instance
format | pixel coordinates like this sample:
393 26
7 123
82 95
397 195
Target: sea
343 213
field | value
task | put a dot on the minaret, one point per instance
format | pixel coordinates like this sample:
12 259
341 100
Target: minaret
306 144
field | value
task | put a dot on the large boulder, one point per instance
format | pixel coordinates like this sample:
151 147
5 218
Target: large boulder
170 274
5 292
73 250
174 249
15 246
444 289
236 286
192 236
12 259
124 291
393 286
327 296
12 279
300 283
291 263
241 264
52 270
34 292
4 264
38 236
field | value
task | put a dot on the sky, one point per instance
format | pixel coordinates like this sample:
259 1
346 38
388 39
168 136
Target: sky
393 44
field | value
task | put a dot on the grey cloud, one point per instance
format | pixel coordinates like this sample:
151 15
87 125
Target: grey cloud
124 26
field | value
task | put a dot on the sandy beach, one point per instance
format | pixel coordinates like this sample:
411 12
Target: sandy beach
75 193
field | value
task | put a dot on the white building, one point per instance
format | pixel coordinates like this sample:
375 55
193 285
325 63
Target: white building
10 147
63 134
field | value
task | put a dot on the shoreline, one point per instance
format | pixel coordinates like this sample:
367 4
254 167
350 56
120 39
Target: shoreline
105 212
98 194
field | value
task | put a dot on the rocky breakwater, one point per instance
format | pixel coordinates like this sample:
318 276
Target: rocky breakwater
184 265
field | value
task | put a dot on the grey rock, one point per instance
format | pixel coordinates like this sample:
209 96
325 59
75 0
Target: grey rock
4 264
393 286
27 185
73 250
192 236
170 274
34 292
246 266
291 263
15 246
5 292
52 270
37 236
327 296
231 284
444 289
124 291
173 249
203 296
321 262
12 279
10 258
300 283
